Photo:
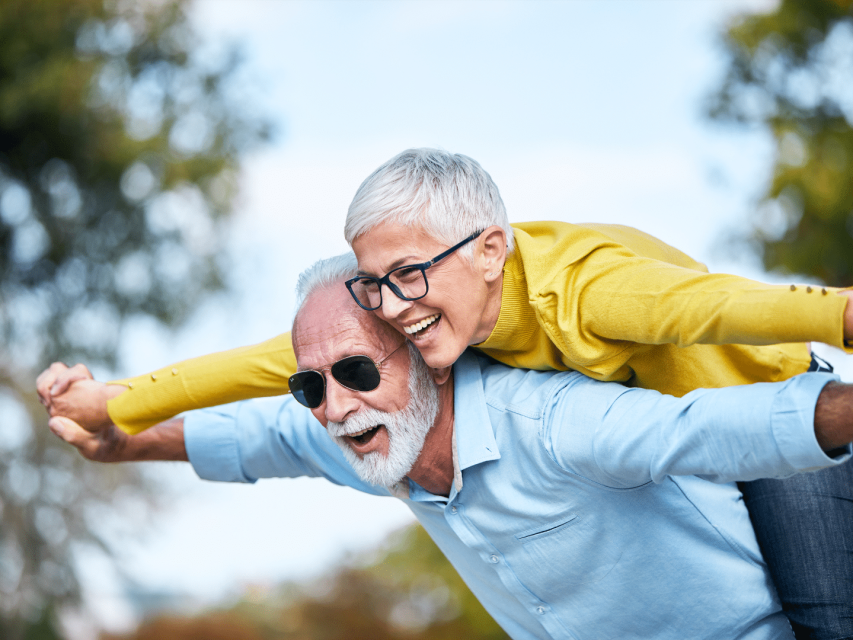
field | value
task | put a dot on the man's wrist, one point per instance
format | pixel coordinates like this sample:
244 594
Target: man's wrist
833 419
163 441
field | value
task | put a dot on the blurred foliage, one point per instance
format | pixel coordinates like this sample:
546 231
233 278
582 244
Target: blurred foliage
790 70
409 592
120 136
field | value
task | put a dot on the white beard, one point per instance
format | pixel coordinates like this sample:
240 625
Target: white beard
407 429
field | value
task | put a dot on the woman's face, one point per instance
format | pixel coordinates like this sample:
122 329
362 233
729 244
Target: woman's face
452 314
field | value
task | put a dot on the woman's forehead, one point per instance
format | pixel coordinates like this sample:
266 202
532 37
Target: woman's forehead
391 245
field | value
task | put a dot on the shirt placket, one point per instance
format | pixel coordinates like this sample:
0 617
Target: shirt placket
470 535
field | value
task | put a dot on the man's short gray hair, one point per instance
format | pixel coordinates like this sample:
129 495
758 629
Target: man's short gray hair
329 272
448 195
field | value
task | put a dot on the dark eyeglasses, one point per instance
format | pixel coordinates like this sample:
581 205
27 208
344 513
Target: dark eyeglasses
357 373
408 282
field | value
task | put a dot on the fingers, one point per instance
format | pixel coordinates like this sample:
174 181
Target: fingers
99 447
56 379
68 430
46 380
67 376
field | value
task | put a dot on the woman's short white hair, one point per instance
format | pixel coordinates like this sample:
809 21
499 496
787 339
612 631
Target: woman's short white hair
448 195
329 272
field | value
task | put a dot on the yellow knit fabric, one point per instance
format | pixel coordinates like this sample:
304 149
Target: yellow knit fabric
607 300
618 304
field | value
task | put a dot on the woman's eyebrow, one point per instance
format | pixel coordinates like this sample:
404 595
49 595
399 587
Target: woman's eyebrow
399 262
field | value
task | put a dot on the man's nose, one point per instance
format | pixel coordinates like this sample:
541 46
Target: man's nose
341 402
392 306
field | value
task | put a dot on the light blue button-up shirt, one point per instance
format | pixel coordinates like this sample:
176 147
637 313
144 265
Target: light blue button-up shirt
581 509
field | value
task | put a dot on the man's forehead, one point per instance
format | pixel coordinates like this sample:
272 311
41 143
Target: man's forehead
331 325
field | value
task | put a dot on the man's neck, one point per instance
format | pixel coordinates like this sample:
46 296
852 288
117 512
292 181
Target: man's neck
434 469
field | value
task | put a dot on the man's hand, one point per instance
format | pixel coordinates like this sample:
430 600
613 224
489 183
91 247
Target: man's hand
106 445
164 441
72 393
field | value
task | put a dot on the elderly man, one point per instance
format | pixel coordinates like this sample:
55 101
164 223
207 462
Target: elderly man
572 508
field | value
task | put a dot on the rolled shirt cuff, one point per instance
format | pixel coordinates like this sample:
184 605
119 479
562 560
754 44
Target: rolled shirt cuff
793 424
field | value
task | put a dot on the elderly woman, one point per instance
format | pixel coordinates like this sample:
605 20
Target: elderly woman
439 261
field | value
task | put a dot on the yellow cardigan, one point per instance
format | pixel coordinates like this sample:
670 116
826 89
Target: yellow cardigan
607 300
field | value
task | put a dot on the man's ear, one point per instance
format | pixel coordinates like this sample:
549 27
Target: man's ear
493 252
441 376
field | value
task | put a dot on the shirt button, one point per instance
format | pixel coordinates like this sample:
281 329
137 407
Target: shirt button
540 611
808 289
793 287
453 509
494 559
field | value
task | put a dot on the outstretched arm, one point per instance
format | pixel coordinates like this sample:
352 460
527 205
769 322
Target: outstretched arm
73 393
595 285
164 441
78 407
630 436
135 404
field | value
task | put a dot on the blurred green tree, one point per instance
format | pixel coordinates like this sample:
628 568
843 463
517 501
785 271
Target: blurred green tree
790 71
408 591
120 136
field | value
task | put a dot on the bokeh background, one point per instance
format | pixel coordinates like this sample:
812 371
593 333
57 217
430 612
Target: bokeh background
168 167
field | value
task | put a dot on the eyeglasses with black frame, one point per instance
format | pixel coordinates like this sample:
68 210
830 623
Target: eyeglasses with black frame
408 282
357 373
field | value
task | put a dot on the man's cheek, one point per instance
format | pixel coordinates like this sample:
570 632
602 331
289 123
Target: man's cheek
320 414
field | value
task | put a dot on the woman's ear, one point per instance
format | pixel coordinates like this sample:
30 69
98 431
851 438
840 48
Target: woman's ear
493 252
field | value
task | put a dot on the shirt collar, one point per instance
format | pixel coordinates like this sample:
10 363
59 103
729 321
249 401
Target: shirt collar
473 440
473 435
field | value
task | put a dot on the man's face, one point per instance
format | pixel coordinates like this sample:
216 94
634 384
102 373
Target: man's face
450 317
381 432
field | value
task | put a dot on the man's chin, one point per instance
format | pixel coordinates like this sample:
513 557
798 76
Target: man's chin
372 467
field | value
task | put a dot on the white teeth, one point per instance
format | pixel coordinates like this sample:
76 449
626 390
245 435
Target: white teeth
423 324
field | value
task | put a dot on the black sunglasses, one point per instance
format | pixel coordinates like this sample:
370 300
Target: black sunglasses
408 282
357 373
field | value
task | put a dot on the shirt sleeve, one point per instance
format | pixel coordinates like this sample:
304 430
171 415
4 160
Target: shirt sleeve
248 372
599 288
623 437
265 438
618 296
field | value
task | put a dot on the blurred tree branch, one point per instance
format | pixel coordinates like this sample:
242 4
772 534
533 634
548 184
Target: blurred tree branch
790 71
120 139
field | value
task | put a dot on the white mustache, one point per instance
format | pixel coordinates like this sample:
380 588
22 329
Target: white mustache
367 418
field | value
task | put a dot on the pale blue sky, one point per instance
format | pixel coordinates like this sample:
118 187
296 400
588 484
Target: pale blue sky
582 110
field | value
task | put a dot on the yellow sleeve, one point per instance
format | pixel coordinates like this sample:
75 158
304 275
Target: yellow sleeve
247 372
610 296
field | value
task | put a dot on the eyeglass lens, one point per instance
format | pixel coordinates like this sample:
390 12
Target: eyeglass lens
358 373
406 282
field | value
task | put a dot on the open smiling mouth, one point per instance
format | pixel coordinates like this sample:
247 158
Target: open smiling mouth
420 329
363 437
